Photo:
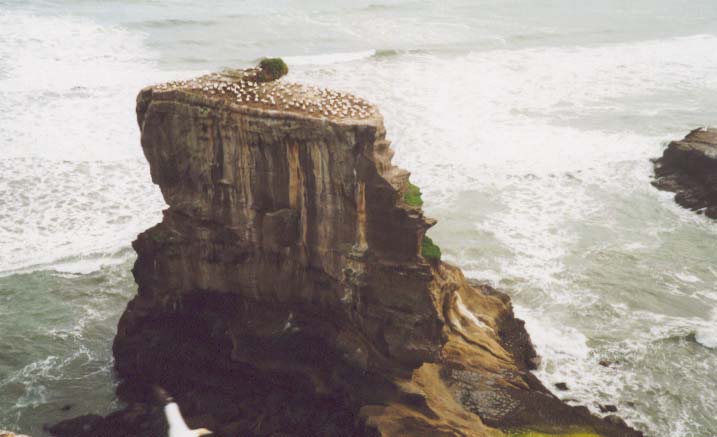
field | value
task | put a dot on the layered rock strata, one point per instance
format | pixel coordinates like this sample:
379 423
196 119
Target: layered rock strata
284 293
689 168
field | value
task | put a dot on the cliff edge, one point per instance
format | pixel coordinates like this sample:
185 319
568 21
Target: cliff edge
290 289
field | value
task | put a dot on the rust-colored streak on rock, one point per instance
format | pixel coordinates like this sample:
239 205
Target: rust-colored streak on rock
361 216
295 179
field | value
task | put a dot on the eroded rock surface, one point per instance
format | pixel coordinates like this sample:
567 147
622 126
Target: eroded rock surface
689 169
284 292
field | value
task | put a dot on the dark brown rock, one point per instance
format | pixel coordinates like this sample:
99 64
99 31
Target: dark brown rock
137 420
689 169
607 408
78 426
561 386
617 420
280 228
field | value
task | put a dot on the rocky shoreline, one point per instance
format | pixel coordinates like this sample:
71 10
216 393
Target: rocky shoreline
689 169
289 290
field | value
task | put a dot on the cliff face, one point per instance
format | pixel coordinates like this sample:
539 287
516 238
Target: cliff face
280 211
689 168
284 293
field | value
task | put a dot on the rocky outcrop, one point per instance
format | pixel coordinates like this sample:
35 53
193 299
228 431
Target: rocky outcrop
689 169
284 292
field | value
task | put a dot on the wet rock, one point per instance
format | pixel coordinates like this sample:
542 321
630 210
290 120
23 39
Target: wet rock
561 386
137 420
78 426
534 362
607 408
689 169
616 420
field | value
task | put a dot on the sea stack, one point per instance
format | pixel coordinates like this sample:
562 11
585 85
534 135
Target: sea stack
290 289
689 168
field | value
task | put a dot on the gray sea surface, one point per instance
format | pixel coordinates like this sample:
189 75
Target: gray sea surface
528 124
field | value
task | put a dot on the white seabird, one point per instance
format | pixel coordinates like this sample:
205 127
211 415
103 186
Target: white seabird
177 426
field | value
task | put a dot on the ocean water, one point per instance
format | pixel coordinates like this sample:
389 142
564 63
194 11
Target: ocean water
528 124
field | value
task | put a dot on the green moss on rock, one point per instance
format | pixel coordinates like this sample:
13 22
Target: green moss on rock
413 195
430 250
272 69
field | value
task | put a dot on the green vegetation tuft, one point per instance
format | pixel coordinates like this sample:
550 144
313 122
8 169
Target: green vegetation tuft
272 69
413 195
429 250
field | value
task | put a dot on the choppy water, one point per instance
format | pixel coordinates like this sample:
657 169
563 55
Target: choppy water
529 125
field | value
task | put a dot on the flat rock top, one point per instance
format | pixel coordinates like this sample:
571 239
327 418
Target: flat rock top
703 140
241 87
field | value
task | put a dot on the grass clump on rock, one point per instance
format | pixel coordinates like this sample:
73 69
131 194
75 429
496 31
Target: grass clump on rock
272 69
430 250
413 195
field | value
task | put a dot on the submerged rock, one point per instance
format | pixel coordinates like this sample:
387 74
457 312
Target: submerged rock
77 426
689 168
285 291
561 386
135 420
607 408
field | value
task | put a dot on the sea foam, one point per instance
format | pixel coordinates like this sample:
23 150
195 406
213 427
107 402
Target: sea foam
74 181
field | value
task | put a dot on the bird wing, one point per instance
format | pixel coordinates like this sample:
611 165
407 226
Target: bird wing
175 420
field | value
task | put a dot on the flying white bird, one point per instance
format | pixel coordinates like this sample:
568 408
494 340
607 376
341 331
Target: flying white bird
177 426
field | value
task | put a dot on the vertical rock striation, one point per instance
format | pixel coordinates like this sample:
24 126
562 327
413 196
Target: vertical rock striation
284 292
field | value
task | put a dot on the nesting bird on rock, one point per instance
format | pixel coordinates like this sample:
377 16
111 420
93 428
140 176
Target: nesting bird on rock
177 426
243 87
